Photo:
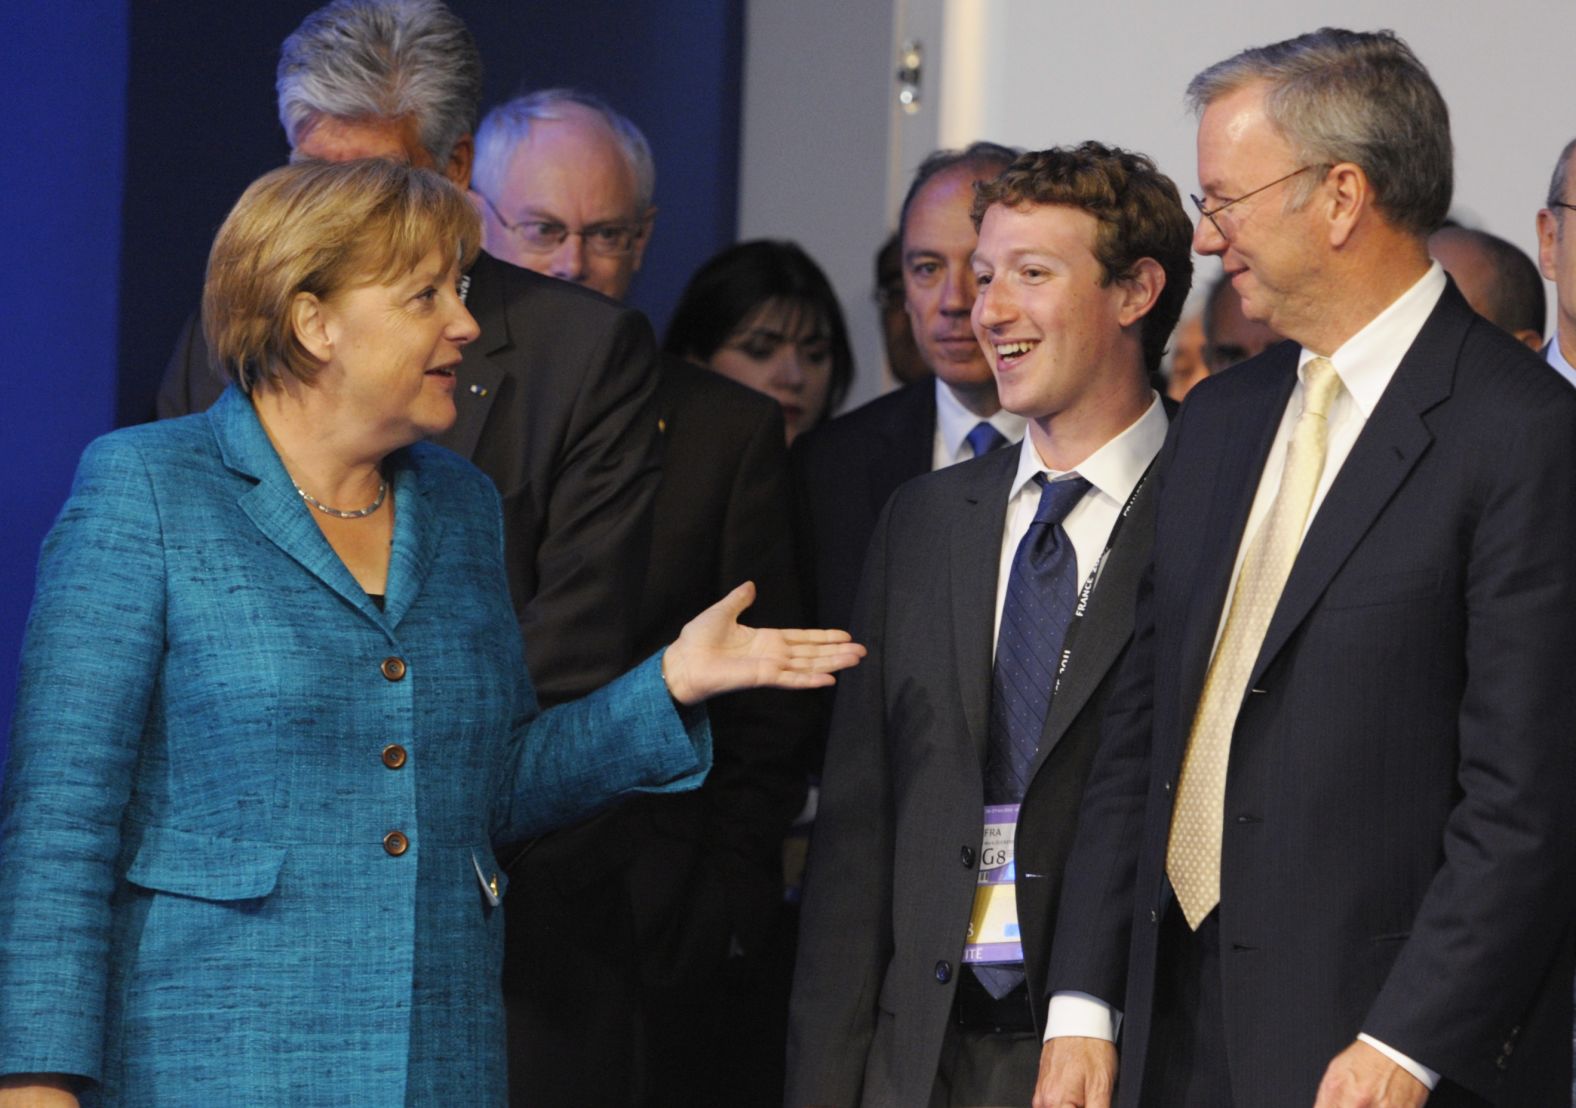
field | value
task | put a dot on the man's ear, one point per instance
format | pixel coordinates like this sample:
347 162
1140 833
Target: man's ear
1141 288
1548 237
460 159
1349 200
309 321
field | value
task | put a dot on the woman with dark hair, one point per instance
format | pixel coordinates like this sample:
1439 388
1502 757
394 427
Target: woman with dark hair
764 314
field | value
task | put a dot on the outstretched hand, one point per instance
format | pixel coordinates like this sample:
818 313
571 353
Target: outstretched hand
715 654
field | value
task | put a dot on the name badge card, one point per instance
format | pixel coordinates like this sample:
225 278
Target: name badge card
993 927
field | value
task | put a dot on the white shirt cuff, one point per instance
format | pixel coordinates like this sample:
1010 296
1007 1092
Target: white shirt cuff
1427 1076
1080 1014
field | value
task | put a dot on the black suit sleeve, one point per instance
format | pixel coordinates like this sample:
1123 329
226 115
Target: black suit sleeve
1095 918
846 940
1505 894
756 784
587 563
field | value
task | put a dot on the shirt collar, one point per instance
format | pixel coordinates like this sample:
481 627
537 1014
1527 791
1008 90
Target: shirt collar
1366 361
1114 469
1556 358
954 421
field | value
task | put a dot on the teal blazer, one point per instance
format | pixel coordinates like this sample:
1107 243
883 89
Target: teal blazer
216 733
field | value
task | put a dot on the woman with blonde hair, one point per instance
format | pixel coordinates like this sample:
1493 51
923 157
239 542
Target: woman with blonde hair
273 714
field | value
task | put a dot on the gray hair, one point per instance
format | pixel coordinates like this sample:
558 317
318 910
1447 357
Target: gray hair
985 159
383 60
508 125
1561 176
1349 96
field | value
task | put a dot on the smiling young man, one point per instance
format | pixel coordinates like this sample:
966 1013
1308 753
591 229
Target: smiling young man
911 989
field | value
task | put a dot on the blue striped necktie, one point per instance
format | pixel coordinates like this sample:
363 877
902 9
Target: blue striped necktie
1042 592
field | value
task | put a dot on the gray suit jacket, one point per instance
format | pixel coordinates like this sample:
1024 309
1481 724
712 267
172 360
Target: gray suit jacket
892 866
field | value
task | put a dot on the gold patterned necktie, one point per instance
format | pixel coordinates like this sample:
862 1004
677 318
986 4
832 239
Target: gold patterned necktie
1193 852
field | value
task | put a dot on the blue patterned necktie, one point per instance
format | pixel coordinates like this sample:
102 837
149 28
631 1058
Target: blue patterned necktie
984 438
1042 592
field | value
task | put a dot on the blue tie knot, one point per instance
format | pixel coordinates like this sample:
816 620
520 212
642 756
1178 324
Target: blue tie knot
1058 497
984 438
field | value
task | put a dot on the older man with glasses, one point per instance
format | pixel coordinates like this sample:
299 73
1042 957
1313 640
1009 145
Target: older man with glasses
565 185
1325 855
659 915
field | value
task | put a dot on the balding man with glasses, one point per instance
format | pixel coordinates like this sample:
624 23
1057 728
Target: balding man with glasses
658 915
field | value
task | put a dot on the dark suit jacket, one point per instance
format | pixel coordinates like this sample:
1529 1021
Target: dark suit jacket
554 405
1398 854
649 896
844 471
892 865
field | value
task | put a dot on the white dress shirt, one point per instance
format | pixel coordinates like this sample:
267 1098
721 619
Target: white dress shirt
1112 472
1365 363
949 445
1557 360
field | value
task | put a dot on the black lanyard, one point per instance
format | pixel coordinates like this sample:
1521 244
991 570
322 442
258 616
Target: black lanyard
1089 582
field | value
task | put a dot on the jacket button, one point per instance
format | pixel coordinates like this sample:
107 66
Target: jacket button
393 668
396 843
967 857
394 756
943 972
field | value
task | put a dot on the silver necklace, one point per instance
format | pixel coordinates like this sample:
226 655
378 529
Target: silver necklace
339 513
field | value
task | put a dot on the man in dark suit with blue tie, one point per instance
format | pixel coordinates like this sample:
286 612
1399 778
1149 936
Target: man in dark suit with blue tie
1325 855
913 985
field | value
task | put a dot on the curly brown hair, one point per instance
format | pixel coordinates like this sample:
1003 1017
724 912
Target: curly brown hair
1139 215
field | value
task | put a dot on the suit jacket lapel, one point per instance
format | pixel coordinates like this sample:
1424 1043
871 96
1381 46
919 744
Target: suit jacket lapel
1234 484
273 503
1389 446
481 370
418 530
1105 627
975 557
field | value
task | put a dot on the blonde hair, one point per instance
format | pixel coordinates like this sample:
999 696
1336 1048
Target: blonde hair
319 227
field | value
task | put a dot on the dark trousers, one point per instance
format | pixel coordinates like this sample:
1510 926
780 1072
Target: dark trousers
990 1056
1186 1062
